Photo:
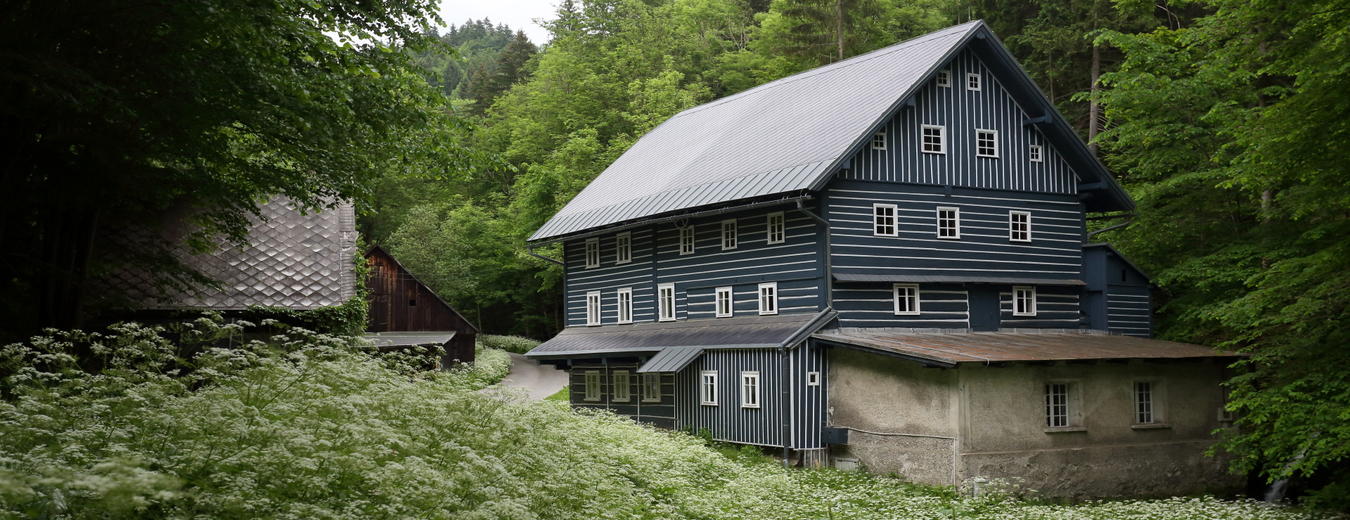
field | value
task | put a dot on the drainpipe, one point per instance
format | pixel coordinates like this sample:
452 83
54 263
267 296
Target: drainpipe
829 276
529 250
1109 228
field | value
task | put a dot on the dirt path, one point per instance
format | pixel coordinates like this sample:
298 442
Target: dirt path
538 381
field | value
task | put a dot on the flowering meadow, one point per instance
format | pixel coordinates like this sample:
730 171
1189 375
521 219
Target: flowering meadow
303 425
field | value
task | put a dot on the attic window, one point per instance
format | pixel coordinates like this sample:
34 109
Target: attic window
1034 152
933 139
986 143
879 141
973 81
944 78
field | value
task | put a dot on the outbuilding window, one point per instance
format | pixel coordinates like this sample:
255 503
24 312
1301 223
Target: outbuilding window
665 302
948 222
776 228
722 300
687 240
879 141
592 252
1019 226
906 299
623 391
1024 300
729 234
623 248
883 220
625 301
986 143
1057 405
768 298
593 308
707 394
1148 408
932 139
749 389
651 388
592 390
813 379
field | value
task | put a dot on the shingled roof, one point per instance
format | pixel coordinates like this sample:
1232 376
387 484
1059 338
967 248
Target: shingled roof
789 135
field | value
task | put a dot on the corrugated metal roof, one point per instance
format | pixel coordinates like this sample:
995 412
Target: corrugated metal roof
671 360
912 278
779 137
409 339
746 332
949 349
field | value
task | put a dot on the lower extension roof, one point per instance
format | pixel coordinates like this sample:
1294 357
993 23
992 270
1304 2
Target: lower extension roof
642 338
948 349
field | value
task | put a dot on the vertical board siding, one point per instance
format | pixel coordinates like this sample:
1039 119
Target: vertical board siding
808 402
1128 310
962 111
1056 307
984 250
863 304
763 426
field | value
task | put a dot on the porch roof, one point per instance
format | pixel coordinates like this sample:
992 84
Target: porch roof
948 349
652 337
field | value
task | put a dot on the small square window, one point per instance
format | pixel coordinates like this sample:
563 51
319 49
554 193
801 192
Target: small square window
707 393
625 300
973 81
723 302
729 234
687 240
1019 226
813 379
944 78
623 248
933 139
776 229
949 222
986 143
1034 153
1024 300
592 252
665 302
879 141
883 220
768 298
906 299
593 308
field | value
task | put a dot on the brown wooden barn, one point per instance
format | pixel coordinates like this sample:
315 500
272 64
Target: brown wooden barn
401 304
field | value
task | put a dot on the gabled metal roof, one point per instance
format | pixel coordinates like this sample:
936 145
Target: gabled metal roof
789 135
671 360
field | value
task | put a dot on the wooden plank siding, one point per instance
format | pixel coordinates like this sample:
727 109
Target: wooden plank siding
731 422
660 413
399 302
872 304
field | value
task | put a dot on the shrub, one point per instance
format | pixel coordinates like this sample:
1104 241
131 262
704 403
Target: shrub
517 344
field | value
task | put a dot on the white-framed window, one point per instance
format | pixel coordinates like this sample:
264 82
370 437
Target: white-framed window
986 143
879 141
1019 226
593 308
1146 406
884 220
944 78
623 248
948 222
1024 300
749 389
1035 153
687 240
1057 402
625 301
813 379
707 388
933 139
665 302
722 300
768 298
651 388
592 390
623 389
729 234
906 296
592 252
973 81
776 226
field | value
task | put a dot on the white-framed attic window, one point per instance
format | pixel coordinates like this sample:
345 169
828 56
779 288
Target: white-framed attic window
974 82
986 143
933 139
879 141
944 78
1036 153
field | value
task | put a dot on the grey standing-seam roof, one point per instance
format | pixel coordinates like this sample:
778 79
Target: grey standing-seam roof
671 360
725 333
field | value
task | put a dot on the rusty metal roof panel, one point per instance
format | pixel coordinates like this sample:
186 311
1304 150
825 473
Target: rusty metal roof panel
952 348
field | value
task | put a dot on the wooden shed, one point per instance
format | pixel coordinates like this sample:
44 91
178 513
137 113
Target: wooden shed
399 302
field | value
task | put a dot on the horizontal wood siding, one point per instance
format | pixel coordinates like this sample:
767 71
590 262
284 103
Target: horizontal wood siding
962 111
1056 307
984 249
609 277
1128 310
873 305
660 414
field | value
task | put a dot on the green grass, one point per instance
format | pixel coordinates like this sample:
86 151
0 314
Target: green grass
562 395
517 344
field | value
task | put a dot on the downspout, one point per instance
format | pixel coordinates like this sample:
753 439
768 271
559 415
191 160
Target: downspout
829 276
1109 228
529 250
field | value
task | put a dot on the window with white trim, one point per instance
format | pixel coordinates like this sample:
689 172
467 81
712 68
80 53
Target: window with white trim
1024 300
593 308
592 390
883 220
768 298
1057 414
1146 397
948 222
933 139
879 141
623 248
592 252
776 228
707 388
906 296
1019 226
813 379
1034 152
944 78
625 301
722 300
623 390
749 389
665 302
687 240
651 388
986 143
729 234
973 81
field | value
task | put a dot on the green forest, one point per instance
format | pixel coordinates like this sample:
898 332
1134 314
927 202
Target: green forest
1226 120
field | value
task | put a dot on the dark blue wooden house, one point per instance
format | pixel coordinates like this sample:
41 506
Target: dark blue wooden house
884 262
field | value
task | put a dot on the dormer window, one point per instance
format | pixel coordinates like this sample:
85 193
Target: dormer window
933 139
1035 153
986 143
973 81
729 234
623 248
944 78
879 141
592 252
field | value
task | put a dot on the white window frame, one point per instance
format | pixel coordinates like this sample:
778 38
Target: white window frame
750 389
707 388
769 305
651 388
1154 408
978 83
1013 226
623 248
944 78
879 141
1059 407
592 253
623 386
665 302
1030 290
593 308
725 295
979 133
775 225
941 139
910 290
813 378
729 236
877 227
955 222
624 298
687 244
1036 153
592 392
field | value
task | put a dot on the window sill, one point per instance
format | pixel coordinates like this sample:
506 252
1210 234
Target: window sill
708 404
1066 429
649 401
1155 426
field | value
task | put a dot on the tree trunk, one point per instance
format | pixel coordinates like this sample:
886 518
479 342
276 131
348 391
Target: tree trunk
1094 107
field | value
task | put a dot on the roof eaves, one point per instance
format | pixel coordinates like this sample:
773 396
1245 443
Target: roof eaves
438 298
